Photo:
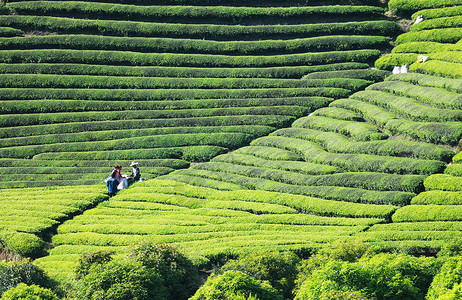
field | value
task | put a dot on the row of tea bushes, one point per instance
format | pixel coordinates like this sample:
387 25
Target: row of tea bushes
28 216
432 38
194 14
206 223
130 80
293 72
434 216
193 46
197 31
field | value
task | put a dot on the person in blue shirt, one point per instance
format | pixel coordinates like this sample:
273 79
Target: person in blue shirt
112 185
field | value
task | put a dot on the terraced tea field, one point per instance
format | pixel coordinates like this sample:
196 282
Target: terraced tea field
264 124
114 81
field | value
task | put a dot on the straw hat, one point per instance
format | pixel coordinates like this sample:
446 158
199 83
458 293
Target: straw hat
133 164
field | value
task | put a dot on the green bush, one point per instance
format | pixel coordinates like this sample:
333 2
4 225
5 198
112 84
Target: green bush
144 124
197 31
52 118
362 180
434 13
443 182
195 46
367 74
408 7
438 197
336 207
195 153
228 140
454 170
338 143
447 281
10 32
430 212
241 2
184 60
180 276
337 113
269 153
174 94
444 35
50 106
449 84
451 249
423 47
407 107
176 14
14 272
443 22
293 166
387 62
430 132
383 276
312 152
24 291
294 72
372 113
278 268
438 68
437 97
119 280
118 82
25 244
89 260
360 131
235 285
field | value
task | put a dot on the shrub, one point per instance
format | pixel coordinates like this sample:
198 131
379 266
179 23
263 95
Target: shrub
14 272
438 68
388 61
408 7
444 35
314 153
339 143
437 97
294 72
447 281
119 280
449 84
408 107
419 213
196 31
86 261
235 285
357 130
193 46
184 60
24 291
25 244
451 248
179 274
383 276
443 182
215 14
278 268
10 32
443 22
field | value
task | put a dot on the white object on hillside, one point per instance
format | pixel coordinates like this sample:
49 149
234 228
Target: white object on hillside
422 58
419 19
404 69
396 70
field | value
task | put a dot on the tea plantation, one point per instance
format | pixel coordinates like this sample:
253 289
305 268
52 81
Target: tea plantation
272 126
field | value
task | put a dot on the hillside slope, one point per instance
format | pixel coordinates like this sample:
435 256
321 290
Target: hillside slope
103 83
